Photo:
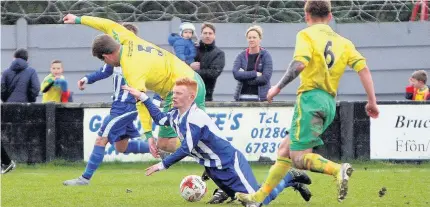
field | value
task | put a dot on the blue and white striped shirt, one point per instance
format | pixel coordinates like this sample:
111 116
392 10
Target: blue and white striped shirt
200 137
106 71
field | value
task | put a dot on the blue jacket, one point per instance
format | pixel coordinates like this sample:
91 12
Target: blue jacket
263 65
184 49
19 83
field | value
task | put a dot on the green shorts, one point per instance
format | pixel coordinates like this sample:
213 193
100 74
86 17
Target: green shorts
169 132
313 113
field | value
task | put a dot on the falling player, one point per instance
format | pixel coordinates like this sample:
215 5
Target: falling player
118 126
202 140
320 58
145 66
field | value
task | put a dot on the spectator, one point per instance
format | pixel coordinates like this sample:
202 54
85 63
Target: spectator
183 48
54 86
417 89
210 60
253 69
19 83
182 43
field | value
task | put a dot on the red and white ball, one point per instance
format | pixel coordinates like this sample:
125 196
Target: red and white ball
192 188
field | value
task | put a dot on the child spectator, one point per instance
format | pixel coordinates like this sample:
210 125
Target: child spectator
183 47
54 86
417 89
182 43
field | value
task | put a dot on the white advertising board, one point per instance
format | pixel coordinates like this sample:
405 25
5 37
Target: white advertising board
401 132
254 131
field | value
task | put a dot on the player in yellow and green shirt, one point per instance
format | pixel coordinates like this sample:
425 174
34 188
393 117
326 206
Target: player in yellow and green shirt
145 67
54 86
320 59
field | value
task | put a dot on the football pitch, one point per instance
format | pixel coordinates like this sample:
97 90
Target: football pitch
124 184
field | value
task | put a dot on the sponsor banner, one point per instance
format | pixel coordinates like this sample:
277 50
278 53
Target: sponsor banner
254 131
401 132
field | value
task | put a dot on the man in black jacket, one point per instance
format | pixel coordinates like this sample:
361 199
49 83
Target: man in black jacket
210 60
19 83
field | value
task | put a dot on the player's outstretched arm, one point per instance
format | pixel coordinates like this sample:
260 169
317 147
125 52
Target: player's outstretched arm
170 160
193 137
159 117
366 79
107 26
154 168
187 145
293 71
70 19
103 73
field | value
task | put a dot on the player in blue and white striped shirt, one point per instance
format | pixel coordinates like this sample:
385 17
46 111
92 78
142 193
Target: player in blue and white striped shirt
202 139
117 127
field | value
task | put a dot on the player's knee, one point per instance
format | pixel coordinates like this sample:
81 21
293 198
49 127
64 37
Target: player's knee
121 146
101 141
297 161
161 143
284 148
297 164
283 152
167 145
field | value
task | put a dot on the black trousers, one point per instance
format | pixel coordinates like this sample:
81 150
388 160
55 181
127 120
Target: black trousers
5 159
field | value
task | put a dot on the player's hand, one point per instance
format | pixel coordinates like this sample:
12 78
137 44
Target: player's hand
273 91
259 74
151 170
195 65
136 93
372 110
153 148
69 19
81 84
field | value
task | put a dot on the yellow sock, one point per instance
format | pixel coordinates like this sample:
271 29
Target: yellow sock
276 173
317 163
178 143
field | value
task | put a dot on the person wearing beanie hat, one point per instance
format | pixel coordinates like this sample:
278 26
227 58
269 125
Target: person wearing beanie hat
187 30
182 43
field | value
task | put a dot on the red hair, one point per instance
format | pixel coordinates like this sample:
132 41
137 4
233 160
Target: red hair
189 83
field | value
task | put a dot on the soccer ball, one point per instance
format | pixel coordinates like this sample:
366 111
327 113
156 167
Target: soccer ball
192 188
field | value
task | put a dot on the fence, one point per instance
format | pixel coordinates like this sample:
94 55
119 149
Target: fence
35 133
392 50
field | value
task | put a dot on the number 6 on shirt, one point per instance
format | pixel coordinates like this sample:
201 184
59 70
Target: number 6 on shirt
328 52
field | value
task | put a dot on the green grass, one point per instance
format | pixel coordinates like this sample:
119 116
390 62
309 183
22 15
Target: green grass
41 185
